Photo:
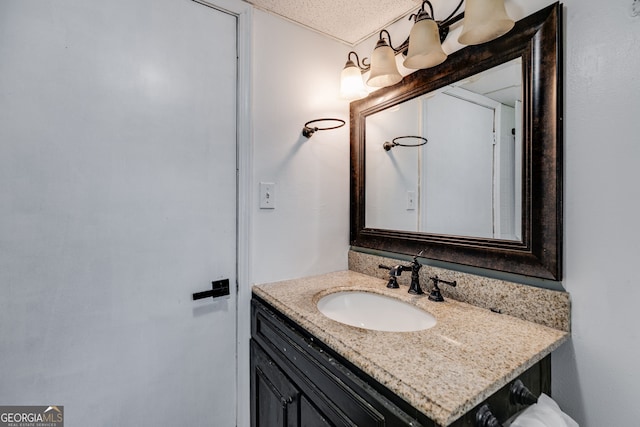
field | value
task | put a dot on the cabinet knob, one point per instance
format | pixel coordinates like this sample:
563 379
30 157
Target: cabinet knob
287 401
485 418
520 394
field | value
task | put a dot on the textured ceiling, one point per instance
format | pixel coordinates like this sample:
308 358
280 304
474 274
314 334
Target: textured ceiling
350 21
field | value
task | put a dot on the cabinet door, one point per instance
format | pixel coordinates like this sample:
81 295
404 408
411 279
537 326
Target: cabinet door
274 398
310 416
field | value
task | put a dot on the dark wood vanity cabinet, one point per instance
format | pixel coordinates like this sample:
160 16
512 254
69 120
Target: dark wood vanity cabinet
298 381
278 402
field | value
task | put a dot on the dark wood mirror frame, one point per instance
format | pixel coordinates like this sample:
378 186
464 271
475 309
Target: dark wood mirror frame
537 40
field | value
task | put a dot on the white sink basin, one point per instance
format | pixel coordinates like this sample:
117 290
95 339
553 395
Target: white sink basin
373 311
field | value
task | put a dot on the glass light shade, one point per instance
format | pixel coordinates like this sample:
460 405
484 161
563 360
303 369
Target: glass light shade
351 84
484 20
425 49
384 71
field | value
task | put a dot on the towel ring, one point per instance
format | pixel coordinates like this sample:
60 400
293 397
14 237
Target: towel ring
308 131
389 145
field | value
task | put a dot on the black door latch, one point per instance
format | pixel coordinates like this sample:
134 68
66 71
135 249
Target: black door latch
219 288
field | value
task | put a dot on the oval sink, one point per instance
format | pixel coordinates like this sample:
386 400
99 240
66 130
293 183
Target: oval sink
373 311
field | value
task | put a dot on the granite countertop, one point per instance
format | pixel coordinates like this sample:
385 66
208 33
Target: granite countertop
443 371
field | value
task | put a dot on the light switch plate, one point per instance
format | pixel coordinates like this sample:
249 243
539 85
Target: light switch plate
267 195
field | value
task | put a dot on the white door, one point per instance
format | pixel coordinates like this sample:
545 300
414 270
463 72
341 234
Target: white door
117 202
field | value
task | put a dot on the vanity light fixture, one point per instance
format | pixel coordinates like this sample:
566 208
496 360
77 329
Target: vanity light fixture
484 20
351 84
425 42
384 71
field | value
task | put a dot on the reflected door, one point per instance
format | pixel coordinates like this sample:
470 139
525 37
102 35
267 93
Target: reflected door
458 168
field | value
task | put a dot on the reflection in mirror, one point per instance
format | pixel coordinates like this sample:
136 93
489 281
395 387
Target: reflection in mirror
467 180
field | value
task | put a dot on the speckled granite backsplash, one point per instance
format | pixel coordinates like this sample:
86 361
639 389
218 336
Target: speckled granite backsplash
542 306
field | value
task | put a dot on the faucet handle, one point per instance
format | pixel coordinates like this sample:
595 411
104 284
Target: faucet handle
394 272
435 294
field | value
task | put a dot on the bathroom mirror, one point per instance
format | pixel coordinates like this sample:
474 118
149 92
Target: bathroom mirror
485 190
481 161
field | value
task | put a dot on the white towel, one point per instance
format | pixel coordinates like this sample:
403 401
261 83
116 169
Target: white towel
545 413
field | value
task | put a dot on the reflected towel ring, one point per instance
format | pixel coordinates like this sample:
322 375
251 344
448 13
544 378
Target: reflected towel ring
389 145
309 131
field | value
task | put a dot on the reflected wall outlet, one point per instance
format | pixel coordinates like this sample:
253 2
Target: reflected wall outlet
267 195
411 200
